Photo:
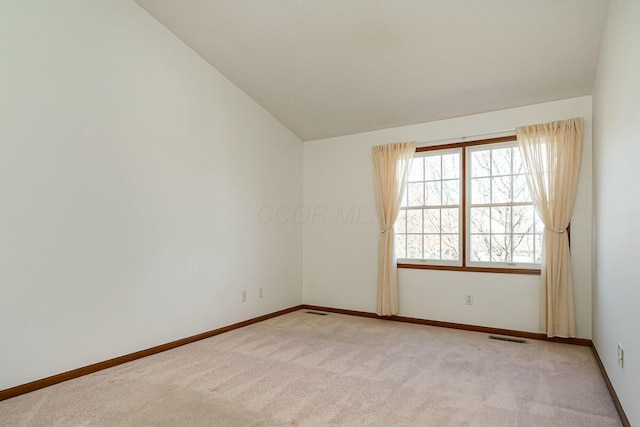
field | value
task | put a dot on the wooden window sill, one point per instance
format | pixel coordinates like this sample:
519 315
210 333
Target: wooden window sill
530 271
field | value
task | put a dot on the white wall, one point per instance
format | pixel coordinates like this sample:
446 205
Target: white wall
616 137
340 230
132 175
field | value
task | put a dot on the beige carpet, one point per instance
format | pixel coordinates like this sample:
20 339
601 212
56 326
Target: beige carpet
301 369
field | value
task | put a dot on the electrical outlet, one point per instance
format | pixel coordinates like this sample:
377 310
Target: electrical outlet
244 296
260 293
620 356
468 299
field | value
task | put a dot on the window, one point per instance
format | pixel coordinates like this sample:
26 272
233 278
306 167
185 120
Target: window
503 224
428 224
467 207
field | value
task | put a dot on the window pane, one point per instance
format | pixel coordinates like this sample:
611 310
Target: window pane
480 247
480 191
523 219
416 173
523 248
416 194
451 192
538 243
401 246
426 188
433 193
432 246
501 247
401 222
403 202
518 161
451 166
501 161
414 246
501 189
432 220
520 189
450 247
414 221
501 219
480 163
432 167
450 220
480 220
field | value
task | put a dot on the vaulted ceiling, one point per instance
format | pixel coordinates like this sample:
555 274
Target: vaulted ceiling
335 67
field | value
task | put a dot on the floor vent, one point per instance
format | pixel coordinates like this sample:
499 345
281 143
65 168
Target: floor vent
496 337
317 312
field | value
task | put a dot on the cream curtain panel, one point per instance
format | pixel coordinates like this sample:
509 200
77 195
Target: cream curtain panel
391 164
552 153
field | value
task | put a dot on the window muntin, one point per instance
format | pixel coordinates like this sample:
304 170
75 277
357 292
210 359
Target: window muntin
504 229
497 227
429 222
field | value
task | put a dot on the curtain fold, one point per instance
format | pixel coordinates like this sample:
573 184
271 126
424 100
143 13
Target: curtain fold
552 153
391 164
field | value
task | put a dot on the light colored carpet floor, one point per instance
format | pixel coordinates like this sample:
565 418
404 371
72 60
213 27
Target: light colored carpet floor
301 369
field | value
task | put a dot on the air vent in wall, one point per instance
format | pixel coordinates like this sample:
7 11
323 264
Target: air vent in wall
496 337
